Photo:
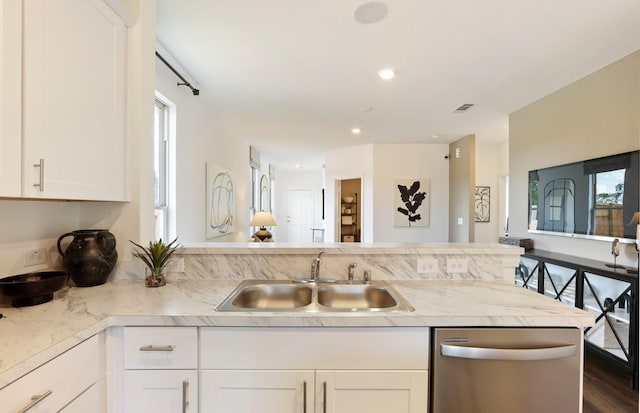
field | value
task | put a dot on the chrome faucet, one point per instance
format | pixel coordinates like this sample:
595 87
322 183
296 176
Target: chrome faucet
315 267
352 268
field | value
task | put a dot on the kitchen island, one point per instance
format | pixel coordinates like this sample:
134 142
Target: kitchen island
31 336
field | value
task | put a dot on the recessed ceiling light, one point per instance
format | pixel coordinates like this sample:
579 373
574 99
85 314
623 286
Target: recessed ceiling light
366 108
356 131
386 74
435 136
298 166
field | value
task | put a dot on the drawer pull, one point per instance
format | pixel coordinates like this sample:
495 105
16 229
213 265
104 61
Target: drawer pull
157 348
185 395
35 400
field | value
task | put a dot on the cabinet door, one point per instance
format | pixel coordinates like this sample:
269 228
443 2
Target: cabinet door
10 96
371 391
250 391
160 391
73 100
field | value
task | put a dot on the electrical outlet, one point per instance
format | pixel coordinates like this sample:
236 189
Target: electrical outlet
427 266
175 265
457 265
34 256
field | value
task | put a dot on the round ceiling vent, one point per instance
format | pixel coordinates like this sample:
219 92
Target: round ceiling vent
371 12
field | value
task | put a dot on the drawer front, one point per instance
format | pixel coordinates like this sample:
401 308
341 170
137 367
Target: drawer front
59 381
160 348
314 348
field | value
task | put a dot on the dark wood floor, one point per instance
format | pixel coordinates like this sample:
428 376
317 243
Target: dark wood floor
605 390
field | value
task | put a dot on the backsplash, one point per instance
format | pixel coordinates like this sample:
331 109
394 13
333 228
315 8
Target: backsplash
386 262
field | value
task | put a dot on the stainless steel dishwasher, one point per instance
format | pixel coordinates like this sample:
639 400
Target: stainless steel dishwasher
506 370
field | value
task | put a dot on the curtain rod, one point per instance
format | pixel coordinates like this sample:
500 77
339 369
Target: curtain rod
195 91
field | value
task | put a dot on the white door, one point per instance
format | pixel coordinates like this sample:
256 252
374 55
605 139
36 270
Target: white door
160 391
251 391
299 215
371 391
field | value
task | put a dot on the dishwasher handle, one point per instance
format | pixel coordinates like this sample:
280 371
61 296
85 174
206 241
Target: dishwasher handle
485 353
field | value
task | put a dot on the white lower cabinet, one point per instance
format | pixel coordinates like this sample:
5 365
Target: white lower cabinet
371 391
160 370
256 391
74 378
314 370
161 391
324 391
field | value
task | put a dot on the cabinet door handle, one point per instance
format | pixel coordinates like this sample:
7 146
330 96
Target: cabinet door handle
35 400
304 397
324 397
151 347
40 183
185 395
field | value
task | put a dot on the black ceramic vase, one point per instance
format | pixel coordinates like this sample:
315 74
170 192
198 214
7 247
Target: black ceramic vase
90 257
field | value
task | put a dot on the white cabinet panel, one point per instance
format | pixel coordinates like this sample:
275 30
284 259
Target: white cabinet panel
160 348
61 379
10 97
242 391
92 400
73 100
161 391
372 391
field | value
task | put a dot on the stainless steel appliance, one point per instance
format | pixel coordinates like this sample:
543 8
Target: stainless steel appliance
520 370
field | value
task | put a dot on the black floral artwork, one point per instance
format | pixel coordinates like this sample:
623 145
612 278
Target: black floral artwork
412 201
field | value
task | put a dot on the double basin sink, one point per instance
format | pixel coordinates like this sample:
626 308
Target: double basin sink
297 296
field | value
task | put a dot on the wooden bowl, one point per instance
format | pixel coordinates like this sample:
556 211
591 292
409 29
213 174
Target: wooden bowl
32 288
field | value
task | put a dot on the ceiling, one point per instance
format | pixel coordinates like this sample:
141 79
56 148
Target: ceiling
293 77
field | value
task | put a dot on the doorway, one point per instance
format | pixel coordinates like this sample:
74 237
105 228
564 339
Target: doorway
349 210
299 215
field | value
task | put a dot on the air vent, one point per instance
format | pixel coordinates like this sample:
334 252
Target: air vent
463 108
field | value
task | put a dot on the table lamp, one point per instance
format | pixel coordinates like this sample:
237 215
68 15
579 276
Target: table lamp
262 219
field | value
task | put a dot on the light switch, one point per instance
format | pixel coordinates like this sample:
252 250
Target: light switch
460 221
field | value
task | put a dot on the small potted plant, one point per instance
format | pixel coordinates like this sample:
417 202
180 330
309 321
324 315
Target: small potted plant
156 257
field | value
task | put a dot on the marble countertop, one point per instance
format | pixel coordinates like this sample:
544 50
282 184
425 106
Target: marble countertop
30 336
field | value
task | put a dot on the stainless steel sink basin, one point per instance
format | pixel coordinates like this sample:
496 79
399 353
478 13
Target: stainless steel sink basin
288 295
272 296
355 296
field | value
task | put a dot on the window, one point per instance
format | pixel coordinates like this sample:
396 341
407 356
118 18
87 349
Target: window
608 194
161 169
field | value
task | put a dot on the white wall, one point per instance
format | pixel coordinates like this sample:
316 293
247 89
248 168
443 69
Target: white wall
296 180
492 163
349 163
407 161
201 139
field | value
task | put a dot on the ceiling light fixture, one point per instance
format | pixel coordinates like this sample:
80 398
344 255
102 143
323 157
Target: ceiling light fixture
386 74
356 131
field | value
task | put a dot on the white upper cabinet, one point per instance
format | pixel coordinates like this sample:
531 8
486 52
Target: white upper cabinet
73 101
10 97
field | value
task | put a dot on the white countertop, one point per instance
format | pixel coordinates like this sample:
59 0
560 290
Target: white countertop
30 336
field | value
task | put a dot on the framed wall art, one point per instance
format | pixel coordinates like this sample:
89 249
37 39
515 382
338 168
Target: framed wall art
482 204
220 201
411 202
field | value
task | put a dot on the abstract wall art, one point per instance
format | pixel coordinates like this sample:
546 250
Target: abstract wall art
220 201
411 202
482 204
